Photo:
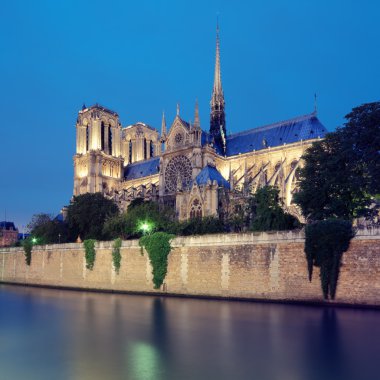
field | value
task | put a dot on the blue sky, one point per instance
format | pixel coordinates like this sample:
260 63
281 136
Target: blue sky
141 57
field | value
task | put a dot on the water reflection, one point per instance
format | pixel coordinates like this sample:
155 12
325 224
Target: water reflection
51 334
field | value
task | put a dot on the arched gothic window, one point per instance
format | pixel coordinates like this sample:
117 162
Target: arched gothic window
145 149
87 138
110 140
151 148
196 209
278 174
102 127
130 152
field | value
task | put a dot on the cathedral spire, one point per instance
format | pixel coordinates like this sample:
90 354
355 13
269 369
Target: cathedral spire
217 92
197 123
217 116
163 125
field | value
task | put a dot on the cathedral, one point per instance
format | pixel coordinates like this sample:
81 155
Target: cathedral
197 172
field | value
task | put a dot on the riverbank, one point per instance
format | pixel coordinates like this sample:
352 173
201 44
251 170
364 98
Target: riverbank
266 267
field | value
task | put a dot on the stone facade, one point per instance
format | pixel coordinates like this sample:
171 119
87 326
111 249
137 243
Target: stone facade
196 172
8 234
251 266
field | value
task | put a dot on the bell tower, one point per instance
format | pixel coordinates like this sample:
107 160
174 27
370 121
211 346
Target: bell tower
98 165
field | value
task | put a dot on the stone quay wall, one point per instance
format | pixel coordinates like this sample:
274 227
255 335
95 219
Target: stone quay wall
261 266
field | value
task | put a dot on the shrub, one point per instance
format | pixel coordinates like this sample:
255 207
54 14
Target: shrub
200 226
116 255
325 243
28 247
158 247
127 225
90 253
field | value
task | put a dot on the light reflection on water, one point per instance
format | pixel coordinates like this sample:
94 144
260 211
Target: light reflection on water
52 334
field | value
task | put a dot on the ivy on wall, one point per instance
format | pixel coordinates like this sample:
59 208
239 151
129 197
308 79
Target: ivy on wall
90 253
158 247
116 255
325 243
28 246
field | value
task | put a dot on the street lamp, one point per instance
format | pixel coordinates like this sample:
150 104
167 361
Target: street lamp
145 227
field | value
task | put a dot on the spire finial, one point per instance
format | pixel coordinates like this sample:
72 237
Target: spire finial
315 103
197 123
177 109
163 125
217 91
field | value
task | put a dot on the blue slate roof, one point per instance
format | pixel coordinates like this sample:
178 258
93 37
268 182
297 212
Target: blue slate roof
9 226
211 173
289 131
142 169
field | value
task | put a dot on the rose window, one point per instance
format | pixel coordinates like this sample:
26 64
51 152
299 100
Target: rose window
178 173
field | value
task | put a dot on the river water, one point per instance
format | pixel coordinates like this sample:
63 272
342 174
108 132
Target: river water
60 334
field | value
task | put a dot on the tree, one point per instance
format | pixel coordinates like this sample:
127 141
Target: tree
141 213
38 220
87 214
341 174
53 232
48 230
266 211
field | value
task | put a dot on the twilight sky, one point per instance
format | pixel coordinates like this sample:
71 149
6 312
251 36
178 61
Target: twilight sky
141 57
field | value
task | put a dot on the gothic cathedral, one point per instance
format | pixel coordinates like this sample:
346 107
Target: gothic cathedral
198 173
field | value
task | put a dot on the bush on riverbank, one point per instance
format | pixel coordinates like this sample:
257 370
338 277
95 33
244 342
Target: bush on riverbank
158 247
325 243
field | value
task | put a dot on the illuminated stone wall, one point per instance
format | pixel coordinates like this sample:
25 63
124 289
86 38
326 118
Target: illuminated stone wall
256 266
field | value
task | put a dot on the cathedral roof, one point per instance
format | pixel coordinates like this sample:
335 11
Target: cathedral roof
286 132
142 168
211 173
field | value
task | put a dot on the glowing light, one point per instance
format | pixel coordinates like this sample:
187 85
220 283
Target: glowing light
145 227
34 240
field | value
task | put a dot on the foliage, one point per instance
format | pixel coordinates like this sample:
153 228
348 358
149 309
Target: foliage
116 255
341 174
158 248
87 214
116 226
38 220
90 253
200 226
135 202
28 247
325 243
128 224
52 232
266 211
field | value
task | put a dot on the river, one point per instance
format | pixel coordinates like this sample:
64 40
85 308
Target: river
60 334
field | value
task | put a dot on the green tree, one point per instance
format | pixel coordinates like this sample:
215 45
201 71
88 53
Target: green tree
87 214
129 224
200 226
48 230
266 211
38 220
341 174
